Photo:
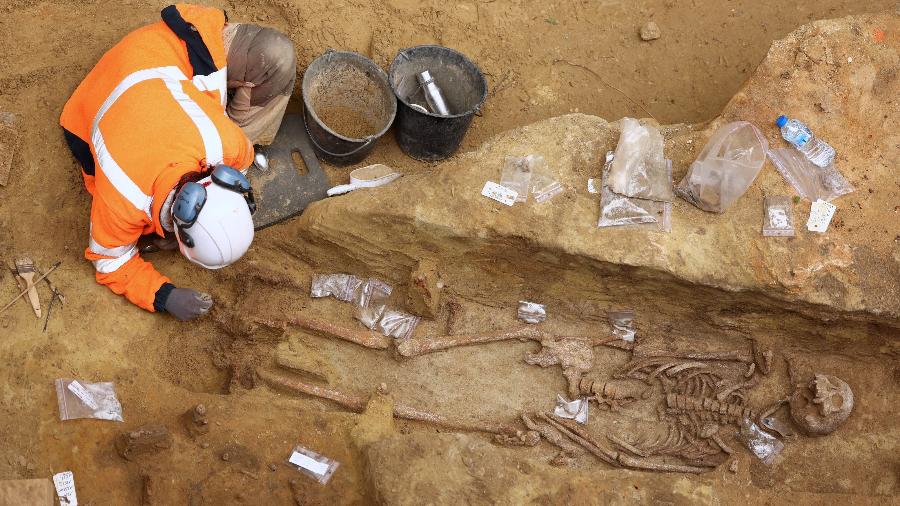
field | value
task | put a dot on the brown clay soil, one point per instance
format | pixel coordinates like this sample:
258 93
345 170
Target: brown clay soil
541 59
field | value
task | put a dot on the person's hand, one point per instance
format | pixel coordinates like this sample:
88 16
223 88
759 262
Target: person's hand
186 304
167 243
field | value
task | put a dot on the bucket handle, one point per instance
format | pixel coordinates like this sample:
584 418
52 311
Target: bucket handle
336 155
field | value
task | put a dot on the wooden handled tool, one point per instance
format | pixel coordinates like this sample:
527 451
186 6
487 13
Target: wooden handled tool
25 268
23 292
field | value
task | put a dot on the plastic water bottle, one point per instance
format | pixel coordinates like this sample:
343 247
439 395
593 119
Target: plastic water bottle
798 134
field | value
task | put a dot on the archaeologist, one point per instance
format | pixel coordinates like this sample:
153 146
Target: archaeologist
163 127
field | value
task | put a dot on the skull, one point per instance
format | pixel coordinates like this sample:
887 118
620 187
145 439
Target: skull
821 406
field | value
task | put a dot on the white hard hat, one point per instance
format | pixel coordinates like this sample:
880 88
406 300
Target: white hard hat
222 230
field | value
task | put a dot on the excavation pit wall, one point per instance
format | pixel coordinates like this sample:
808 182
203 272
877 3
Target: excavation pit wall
820 302
823 303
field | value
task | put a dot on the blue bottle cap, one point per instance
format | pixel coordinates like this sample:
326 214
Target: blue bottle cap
781 121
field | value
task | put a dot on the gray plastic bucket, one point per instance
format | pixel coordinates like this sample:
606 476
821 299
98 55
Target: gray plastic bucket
348 105
421 134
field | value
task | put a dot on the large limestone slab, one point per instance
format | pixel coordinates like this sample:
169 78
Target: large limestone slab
839 76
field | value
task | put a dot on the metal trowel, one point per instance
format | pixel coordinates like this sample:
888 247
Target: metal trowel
292 179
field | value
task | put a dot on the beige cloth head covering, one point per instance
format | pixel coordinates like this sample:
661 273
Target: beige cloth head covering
262 69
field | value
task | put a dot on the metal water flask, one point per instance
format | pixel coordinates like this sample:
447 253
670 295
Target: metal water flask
432 94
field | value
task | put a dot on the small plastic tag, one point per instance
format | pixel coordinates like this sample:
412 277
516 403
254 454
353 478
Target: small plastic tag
820 215
65 488
83 395
592 186
778 220
499 193
310 463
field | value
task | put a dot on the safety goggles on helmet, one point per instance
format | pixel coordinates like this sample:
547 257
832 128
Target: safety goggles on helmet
191 198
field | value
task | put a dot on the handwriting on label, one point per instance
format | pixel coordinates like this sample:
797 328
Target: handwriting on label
820 215
83 395
499 193
65 488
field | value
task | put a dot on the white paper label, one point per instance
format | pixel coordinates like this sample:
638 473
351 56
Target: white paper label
820 215
499 193
65 488
308 463
83 395
592 186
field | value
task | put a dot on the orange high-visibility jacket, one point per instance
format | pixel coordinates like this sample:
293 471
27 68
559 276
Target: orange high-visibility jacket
149 120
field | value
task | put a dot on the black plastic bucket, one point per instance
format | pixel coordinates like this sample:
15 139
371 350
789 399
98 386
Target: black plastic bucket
348 105
421 134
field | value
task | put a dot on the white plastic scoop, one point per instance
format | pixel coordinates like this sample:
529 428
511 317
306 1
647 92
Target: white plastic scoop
366 177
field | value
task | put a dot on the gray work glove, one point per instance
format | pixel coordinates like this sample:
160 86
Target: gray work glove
186 304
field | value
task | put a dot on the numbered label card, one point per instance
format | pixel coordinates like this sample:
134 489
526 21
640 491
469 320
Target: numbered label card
820 215
499 193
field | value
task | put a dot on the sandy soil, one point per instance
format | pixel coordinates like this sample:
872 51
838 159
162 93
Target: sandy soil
541 59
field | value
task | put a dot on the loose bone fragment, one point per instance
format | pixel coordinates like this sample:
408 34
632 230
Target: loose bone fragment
687 365
613 457
413 347
605 454
625 445
553 437
358 404
365 338
420 346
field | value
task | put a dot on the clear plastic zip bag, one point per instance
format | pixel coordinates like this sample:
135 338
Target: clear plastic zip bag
639 168
622 323
544 187
811 182
310 463
531 312
87 400
618 210
725 169
398 324
371 301
765 446
517 173
778 219
344 287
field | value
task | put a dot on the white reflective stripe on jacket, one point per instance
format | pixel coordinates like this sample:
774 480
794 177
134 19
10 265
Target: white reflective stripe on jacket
107 265
173 78
118 255
217 81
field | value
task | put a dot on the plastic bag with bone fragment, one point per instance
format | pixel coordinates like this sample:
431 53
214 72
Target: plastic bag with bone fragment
310 463
811 182
87 400
779 217
343 287
574 410
622 323
371 301
398 324
726 167
765 446
517 173
617 210
639 168
531 312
